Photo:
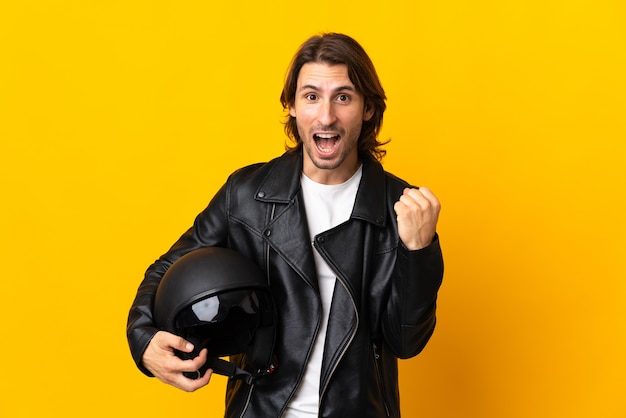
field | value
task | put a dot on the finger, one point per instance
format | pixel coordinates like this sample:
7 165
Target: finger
172 369
194 364
430 196
183 345
416 197
407 203
168 341
412 201
422 198
403 208
191 385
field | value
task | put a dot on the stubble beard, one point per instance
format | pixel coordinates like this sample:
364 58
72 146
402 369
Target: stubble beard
310 147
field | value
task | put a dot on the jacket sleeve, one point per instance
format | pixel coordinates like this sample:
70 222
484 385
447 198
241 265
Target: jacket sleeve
209 229
409 319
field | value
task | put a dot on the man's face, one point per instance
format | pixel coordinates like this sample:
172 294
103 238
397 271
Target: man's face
329 114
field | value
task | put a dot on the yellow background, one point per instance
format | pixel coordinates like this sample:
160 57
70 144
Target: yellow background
120 119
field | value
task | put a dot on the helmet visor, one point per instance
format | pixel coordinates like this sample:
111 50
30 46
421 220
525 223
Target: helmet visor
224 323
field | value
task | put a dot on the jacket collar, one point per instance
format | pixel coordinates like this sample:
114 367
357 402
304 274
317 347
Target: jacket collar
282 185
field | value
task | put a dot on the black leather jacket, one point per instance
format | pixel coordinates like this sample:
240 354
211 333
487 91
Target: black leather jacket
383 307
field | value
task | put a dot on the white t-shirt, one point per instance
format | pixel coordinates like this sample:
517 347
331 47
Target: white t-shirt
326 207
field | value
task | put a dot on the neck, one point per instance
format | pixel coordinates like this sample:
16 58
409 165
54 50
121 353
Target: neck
331 176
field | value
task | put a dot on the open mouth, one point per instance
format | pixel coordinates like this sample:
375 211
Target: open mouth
325 142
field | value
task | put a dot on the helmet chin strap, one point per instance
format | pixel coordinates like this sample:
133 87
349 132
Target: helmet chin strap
261 358
226 368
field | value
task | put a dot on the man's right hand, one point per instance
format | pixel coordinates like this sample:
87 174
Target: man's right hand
160 360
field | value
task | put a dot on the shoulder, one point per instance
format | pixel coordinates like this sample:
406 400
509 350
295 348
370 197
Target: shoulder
392 184
277 179
254 172
395 184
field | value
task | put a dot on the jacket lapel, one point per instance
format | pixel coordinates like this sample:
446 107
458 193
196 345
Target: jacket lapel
287 231
345 245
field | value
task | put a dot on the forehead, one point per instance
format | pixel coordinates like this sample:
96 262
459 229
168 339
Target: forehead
316 74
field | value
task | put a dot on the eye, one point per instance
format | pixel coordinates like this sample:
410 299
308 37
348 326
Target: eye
343 98
310 97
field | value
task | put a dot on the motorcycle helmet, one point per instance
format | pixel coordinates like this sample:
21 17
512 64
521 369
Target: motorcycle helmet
219 300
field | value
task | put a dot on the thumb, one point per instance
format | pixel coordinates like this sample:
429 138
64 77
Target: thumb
173 341
184 345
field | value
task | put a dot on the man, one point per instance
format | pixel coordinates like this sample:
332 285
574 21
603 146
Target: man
351 253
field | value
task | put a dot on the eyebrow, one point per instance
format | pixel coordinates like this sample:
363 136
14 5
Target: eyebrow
346 87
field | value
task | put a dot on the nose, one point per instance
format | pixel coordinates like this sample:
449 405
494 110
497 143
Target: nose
326 113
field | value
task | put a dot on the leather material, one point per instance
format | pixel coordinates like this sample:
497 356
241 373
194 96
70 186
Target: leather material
383 307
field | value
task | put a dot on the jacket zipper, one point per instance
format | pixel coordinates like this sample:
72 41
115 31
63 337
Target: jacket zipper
379 375
267 248
247 403
345 348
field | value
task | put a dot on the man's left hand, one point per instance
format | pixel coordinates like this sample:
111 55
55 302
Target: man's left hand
417 212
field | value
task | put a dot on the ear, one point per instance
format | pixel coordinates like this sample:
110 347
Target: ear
292 110
368 112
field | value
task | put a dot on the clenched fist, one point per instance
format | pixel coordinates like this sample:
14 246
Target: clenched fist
417 211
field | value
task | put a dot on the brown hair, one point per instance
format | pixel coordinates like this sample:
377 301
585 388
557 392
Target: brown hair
339 49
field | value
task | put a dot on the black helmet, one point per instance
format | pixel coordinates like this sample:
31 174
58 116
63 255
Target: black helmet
219 300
